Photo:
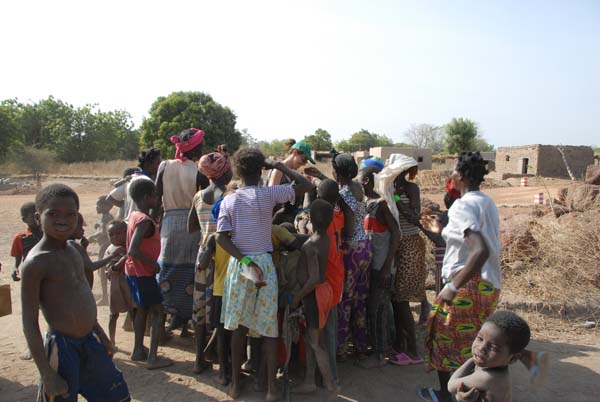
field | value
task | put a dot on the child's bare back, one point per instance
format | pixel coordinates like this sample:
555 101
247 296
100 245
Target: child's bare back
65 296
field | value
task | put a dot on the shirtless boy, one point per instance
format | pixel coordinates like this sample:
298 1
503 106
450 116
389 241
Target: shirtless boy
316 293
54 280
500 342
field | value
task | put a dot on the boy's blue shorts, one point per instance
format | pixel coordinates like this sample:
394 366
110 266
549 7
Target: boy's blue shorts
86 367
145 291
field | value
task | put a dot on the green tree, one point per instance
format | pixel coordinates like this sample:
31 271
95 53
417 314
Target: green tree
275 148
363 140
480 144
9 131
320 140
180 110
460 135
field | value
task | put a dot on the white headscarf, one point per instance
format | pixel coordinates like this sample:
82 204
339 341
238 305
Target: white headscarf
384 180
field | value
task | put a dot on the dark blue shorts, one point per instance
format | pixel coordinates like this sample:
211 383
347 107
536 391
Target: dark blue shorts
86 367
145 291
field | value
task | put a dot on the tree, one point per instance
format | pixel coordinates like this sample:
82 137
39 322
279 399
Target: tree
480 144
248 139
460 135
180 110
426 136
9 132
273 149
363 140
319 141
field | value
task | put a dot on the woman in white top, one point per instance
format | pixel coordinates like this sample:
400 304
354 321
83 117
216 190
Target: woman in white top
471 273
177 182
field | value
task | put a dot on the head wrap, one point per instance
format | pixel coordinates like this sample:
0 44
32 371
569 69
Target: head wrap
184 146
214 165
373 162
451 190
384 180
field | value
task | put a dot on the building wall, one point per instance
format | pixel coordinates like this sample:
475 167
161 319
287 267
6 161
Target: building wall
423 156
551 163
544 160
508 159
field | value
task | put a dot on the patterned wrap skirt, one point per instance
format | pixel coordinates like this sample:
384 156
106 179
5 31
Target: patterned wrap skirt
178 252
452 329
203 289
411 272
245 304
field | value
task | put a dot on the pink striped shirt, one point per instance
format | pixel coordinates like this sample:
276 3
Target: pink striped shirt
247 214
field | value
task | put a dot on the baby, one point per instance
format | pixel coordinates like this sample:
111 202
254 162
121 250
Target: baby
485 377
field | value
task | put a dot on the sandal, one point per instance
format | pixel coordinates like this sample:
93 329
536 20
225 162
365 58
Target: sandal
402 359
423 394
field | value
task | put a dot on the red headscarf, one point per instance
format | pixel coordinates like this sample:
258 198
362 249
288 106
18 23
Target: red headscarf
451 191
181 147
214 165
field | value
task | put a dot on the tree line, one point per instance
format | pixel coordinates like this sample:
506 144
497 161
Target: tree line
76 134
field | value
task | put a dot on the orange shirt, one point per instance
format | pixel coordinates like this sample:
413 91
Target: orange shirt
335 260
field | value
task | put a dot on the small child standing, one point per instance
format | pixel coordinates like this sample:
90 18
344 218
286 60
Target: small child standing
101 237
76 358
120 300
485 376
316 293
27 239
141 267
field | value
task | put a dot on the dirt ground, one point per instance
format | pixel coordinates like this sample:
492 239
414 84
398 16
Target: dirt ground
575 352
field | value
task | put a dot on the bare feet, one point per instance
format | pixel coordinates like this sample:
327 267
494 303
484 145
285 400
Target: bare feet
372 362
139 355
221 379
304 388
199 367
26 355
272 397
158 362
234 391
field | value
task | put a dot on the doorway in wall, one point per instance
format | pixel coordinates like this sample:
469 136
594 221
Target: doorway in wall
524 165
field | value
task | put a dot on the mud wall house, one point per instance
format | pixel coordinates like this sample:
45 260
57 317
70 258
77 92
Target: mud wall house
422 155
543 160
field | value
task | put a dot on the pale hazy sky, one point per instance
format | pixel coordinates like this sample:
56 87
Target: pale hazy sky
525 71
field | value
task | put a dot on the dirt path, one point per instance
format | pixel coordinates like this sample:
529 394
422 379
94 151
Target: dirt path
575 355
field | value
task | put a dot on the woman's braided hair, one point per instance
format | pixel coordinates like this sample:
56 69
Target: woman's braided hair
472 166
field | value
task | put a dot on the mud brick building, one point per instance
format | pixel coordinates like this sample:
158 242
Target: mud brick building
422 155
543 160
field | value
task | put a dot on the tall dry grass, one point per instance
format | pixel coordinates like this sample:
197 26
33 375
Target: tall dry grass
99 168
561 268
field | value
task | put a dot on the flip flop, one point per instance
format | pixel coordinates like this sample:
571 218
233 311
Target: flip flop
423 393
402 359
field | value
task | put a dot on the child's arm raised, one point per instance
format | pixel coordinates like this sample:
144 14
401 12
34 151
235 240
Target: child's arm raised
302 184
32 277
134 252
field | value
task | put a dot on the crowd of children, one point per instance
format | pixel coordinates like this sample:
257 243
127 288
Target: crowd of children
340 265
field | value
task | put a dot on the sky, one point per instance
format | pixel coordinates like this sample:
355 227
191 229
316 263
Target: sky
526 71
